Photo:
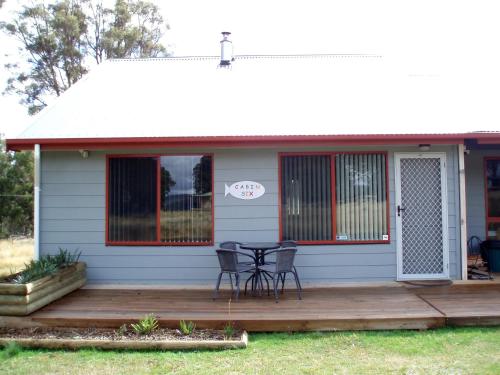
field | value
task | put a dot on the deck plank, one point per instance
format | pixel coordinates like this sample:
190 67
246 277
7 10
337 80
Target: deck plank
320 309
335 308
465 305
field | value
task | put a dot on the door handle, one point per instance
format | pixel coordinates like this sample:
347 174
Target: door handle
400 209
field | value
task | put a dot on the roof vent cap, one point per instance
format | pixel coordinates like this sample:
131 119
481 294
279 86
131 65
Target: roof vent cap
226 50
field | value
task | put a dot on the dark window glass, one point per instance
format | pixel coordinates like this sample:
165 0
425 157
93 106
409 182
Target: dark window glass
306 198
186 199
493 185
493 198
494 231
132 199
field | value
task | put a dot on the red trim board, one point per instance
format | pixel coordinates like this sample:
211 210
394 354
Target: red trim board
245 141
334 241
158 241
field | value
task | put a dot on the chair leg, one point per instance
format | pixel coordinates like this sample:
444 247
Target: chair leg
275 286
237 280
297 282
216 291
231 281
295 270
283 276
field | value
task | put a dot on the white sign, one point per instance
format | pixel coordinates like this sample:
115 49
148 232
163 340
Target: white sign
245 190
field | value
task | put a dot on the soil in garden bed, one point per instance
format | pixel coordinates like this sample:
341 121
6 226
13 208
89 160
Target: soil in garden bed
161 334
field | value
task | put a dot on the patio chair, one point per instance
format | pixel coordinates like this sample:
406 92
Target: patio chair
228 261
229 245
280 268
233 245
288 243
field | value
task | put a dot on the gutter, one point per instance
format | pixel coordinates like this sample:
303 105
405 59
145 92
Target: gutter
244 141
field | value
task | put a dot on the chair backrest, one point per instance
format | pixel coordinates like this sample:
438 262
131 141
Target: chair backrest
228 260
284 259
229 245
288 243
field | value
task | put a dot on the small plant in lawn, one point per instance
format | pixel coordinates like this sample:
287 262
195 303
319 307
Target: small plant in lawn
146 325
122 330
228 330
187 328
11 349
229 327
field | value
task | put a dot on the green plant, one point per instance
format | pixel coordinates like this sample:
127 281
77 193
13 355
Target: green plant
65 258
11 349
146 325
36 269
45 266
228 330
187 328
122 330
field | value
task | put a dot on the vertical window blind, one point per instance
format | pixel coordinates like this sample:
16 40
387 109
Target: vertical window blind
359 197
180 212
132 199
306 198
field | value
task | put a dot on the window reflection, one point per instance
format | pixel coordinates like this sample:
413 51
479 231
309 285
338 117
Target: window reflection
186 199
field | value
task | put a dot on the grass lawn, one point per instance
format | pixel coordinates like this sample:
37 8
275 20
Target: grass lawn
14 253
443 351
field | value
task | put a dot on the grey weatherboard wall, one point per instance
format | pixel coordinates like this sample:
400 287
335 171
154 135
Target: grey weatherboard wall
73 217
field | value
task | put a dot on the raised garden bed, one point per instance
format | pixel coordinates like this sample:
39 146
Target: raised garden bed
23 299
160 339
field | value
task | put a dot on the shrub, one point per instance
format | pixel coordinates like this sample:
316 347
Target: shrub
65 258
146 325
45 266
187 328
36 269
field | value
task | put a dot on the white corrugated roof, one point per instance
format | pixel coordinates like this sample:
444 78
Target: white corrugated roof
266 95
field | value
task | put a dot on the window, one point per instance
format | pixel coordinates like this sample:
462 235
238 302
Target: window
334 198
492 198
159 200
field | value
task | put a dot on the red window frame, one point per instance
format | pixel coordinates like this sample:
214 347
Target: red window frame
489 219
332 155
108 242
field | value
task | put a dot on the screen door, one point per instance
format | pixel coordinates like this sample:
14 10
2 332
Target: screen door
421 216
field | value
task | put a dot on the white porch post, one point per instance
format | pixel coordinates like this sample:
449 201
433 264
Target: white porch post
36 224
463 210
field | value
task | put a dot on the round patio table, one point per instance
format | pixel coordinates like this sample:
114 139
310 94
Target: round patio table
259 249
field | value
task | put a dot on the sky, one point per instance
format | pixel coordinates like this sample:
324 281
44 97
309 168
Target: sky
424 38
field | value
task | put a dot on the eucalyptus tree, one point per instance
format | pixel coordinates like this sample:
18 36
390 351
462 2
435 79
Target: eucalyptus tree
59 41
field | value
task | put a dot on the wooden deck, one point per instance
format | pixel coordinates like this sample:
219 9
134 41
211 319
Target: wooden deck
342 308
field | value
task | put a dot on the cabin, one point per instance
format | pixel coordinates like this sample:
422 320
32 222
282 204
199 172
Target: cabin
146 165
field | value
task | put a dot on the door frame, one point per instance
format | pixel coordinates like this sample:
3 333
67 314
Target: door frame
444 211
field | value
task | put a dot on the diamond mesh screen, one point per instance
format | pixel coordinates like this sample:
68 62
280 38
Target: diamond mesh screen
422 218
